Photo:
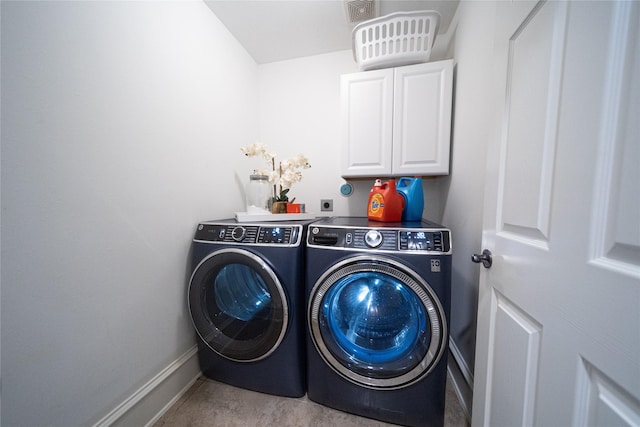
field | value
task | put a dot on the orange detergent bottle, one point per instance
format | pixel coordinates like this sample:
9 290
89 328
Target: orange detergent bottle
385 203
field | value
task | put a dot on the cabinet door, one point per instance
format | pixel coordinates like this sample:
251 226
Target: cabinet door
422 119
366 111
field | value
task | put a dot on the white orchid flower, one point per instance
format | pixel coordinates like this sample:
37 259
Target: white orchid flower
289 178
285 175
257 149
268 155
285 164
300 161
274 176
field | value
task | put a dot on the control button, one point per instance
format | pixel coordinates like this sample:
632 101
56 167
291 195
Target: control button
348 238
404 240
373 238
238 234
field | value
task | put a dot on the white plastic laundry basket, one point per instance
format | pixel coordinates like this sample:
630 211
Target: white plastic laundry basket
396 39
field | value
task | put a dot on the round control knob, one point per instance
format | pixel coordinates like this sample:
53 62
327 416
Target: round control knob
373 238
238 233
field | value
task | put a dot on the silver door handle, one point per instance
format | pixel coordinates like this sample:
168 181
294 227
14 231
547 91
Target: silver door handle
484 258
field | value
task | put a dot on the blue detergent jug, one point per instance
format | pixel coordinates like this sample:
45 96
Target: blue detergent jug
411 190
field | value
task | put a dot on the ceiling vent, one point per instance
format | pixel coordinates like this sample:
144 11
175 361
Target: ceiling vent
360 10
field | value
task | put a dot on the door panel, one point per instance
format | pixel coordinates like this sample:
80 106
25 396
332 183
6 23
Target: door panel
600 401
367 121
558 318
516 351
616 235
422 118
531 123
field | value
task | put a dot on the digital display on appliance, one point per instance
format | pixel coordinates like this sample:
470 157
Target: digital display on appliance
274 235
418 240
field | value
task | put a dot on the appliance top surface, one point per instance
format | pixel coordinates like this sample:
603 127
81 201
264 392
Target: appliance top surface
260 223
364 222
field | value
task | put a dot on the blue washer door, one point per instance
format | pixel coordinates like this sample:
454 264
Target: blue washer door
238 306
376 322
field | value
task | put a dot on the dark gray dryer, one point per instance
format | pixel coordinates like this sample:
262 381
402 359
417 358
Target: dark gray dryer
378 300
246 300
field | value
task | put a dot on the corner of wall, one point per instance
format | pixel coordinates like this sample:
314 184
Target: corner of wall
443 46
461 378
147 404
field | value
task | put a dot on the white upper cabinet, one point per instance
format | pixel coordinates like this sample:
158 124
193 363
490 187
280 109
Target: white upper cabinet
397 121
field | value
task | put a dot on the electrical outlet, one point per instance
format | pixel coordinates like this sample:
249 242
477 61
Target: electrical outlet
326 205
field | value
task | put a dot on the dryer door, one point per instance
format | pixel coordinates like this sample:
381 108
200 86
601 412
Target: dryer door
376 322
238 305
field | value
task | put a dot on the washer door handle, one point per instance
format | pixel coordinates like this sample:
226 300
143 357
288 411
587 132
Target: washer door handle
484 258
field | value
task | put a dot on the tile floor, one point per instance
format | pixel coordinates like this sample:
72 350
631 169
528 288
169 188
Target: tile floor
209 403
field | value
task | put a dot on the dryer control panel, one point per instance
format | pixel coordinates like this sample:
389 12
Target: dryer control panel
249 234
412 240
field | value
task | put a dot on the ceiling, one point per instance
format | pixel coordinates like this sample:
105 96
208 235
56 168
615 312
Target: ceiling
276 30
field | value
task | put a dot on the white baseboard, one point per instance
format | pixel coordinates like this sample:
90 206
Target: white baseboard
174 400
461 379
462 364
151 400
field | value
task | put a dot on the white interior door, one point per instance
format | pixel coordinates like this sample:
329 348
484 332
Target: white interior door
559 310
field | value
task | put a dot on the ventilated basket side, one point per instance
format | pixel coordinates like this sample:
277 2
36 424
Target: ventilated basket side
393 40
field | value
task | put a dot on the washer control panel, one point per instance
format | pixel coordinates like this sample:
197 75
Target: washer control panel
418 240
249 234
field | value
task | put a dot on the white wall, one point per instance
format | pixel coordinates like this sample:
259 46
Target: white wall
300 113
120 128
464 187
